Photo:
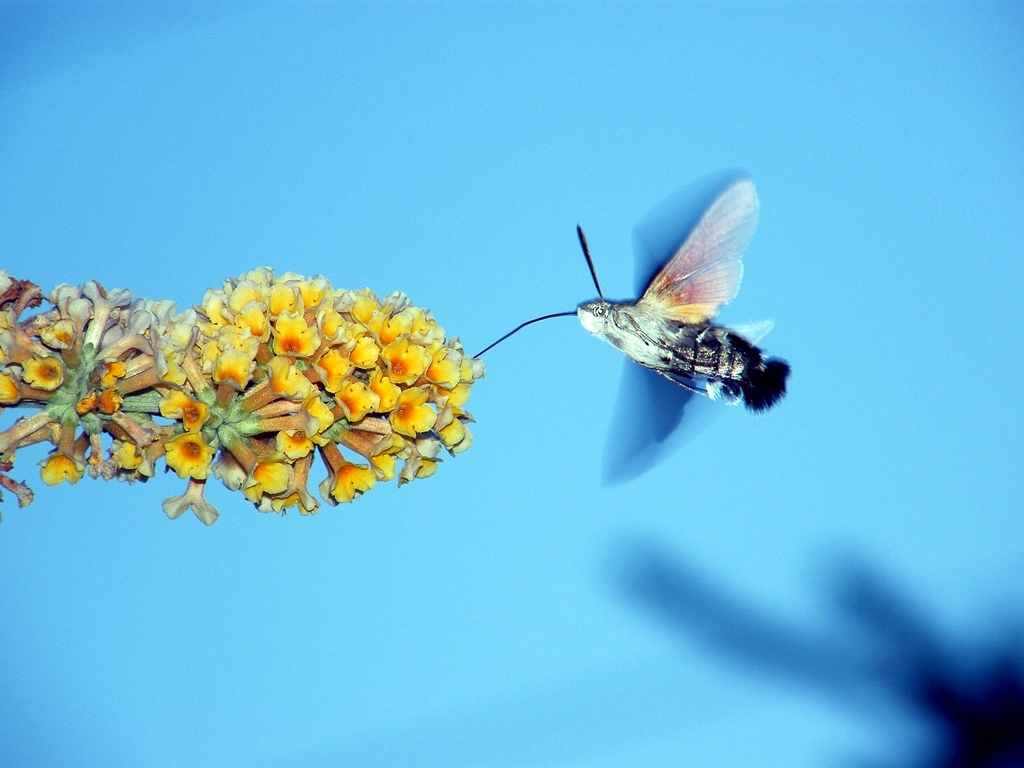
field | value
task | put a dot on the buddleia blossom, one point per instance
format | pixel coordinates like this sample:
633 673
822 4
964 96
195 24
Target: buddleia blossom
250 387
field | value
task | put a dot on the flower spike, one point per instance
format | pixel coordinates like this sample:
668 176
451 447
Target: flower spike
247 387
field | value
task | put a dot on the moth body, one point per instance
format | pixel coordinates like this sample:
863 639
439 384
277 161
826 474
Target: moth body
700 356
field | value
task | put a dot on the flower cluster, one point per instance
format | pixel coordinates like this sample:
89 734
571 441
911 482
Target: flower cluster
249 386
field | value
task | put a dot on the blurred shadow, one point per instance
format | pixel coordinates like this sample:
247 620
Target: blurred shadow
876 653
577 719
879 646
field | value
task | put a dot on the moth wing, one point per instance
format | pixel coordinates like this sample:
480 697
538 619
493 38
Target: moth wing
704 272
659 235
654 416
651 419
754 332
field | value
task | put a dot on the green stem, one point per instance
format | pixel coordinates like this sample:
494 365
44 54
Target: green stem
148 402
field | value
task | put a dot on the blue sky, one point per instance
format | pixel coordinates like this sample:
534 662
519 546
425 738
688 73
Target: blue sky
448 151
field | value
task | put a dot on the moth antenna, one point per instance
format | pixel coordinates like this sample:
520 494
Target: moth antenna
590 261
521 326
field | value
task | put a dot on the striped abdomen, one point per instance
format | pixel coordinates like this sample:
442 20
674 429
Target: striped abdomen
730 363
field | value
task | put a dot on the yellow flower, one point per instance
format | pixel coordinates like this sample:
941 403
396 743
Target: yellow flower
357 400
213 308
453 434
385 457
234 367
209 353
44 373
306 504
445 367
233 337
333 367
427 468
413 416
387 391
293 337
267 477
178 405
427 447
384 466
464 443
283 298
319 410
349 481
168 365
365 305
389 329
244 293
189 456
262 276
422 321
125 455
472 369
58 467
254 318
60 335
417 467
9 392
286 380
406 362
212 312
313 290
457 397
180 327
293 444
365 353
332 325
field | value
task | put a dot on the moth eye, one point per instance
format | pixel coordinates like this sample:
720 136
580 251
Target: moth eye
598 311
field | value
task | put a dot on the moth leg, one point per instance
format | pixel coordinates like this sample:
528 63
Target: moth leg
636 329
682 384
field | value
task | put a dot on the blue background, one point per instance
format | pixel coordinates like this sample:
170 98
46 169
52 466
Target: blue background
447 151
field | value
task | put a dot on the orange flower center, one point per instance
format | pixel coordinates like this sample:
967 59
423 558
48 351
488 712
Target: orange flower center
192 450
290 345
